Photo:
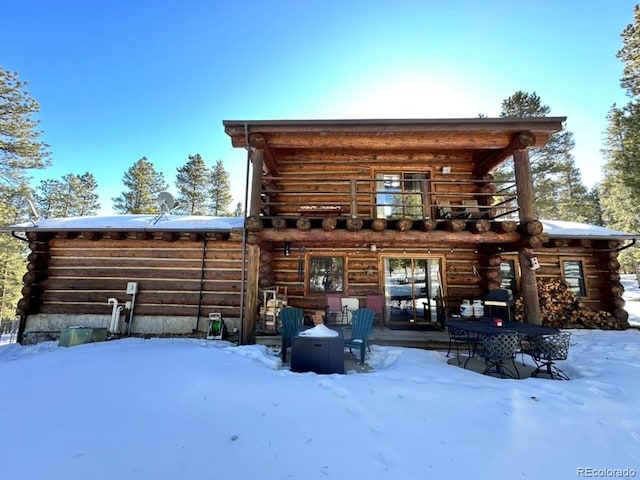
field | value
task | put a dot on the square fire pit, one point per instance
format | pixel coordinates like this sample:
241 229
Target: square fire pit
321 354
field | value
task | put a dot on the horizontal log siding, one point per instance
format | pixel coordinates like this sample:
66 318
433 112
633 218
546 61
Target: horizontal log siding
328 167
597 276
462 272
458 272
82 274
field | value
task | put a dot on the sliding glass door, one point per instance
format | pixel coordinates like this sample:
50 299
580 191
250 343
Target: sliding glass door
411 285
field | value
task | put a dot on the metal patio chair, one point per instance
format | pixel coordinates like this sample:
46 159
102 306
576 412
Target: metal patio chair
459 337
499 348
545 350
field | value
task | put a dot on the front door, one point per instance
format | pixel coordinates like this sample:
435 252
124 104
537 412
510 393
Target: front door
411 285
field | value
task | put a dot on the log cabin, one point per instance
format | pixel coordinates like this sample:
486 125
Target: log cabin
407 211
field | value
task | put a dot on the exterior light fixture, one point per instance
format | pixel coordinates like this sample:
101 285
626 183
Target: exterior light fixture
287 249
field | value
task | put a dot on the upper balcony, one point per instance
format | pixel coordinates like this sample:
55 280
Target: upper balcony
308 202
402 172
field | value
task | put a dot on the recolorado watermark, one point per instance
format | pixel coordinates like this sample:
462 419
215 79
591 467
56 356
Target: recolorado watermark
590 472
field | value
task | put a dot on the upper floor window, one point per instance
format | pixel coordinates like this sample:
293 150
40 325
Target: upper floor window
402 195
573 273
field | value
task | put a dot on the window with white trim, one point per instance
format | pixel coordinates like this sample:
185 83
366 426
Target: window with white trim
573 272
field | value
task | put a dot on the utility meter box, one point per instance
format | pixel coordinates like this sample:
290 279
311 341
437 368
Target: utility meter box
132 288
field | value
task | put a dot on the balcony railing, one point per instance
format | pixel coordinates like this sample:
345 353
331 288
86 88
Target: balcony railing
368 199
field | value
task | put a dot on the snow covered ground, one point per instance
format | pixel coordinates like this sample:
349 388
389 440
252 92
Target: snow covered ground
194 409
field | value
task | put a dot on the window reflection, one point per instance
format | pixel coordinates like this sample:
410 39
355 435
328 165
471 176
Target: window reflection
326 274
574 276
400 195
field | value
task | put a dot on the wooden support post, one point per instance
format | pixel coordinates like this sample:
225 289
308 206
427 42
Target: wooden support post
251 296
257 159
524 188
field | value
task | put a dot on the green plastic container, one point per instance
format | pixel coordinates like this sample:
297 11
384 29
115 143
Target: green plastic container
70 337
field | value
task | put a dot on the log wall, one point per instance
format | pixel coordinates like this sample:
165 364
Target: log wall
461 274
600 269
76 276
469 271
324 174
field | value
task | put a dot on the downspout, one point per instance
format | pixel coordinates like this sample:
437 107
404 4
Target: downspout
204 257
244 237
13 234
633 242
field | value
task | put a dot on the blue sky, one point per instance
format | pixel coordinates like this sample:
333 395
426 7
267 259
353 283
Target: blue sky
119 80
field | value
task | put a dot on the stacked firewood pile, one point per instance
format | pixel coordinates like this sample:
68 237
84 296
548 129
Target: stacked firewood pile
560 308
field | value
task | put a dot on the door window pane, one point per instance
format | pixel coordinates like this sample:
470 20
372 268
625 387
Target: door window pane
411 286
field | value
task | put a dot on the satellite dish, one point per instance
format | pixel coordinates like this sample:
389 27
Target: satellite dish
166 202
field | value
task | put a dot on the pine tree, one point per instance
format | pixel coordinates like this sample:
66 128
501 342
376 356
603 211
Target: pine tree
619 204
558 189
220 191
630 55
626 158
192 182
20 146
72 196
12 267
48 198
620 212
620 189
21 150
143 184
85 199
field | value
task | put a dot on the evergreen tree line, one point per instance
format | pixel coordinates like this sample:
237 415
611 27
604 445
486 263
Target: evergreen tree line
201 191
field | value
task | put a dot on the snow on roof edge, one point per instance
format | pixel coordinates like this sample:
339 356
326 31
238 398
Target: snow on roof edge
132 223
552 228
565 229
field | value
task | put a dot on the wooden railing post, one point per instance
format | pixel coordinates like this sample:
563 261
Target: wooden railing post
426 208
353 198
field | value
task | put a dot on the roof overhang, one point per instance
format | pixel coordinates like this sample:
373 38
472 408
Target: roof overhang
490 140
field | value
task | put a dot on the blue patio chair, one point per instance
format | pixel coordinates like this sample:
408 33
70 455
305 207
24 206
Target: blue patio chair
291 320
361 328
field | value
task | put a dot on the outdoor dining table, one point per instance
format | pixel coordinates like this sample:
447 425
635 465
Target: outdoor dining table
486 327
476 329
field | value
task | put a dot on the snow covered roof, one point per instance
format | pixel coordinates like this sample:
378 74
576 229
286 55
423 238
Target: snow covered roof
130 223
553 228
562 229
